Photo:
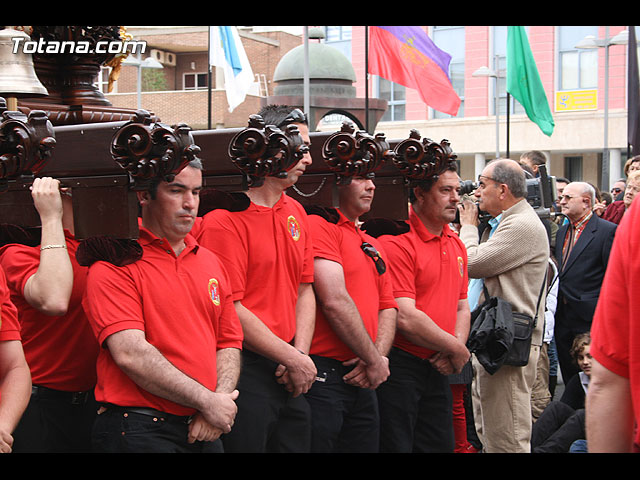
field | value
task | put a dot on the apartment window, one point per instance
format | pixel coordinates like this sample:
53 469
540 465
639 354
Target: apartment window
451 40
339 37
395 95
102 80
195 81
573 168
578 67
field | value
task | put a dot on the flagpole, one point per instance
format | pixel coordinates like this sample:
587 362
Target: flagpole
306 71
366 77
508 112
210 77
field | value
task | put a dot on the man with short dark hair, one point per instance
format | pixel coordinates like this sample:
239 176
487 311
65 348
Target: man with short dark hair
170 336
533 159
428 267
355 325
268 253
511 258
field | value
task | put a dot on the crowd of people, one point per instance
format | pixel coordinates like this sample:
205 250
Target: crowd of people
278 328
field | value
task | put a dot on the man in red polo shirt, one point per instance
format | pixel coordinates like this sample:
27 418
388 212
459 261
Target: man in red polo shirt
47 284
428 267
170 336
613 398
355 325
15 378
267 251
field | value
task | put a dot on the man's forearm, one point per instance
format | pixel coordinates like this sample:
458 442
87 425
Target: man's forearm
463 321
15 384
260 339
305 317
151 371
228 369
609 412
386 330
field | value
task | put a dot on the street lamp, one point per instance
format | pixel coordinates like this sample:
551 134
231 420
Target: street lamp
137 62
487 72
591 42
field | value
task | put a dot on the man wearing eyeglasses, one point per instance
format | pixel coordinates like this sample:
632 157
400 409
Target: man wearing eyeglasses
428 269
511 258
355 324
582 251
626 193
268 254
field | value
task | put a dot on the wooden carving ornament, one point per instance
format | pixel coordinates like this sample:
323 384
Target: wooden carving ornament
420 160
148 151
26 143
350 153
261 150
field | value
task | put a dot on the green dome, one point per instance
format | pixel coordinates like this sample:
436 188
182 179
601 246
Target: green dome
325 63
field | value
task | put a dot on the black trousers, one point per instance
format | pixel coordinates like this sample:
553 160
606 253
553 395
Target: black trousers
56 422
269 419
557 428
416 407
127 430
344 418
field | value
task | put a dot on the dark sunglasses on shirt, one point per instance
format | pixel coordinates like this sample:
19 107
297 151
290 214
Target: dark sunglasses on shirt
372 253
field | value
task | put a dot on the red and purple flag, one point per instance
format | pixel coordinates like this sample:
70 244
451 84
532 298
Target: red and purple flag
407 56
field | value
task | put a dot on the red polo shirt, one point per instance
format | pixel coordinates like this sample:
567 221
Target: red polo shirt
370 291
182 304
430 269
9 328
268 254
61 351
615 331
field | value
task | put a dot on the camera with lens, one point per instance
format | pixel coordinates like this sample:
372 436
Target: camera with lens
467 187
541 193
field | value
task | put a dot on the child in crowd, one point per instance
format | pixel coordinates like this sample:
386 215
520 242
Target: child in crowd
562 422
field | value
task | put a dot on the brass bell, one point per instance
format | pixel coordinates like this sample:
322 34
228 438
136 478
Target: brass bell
17 73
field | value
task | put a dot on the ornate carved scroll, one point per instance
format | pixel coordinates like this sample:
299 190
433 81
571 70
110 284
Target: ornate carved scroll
261 150
350 153
420 160
148 151
26 143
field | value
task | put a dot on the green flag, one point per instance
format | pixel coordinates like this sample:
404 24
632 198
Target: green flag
523 80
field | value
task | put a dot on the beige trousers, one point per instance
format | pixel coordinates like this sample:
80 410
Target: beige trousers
540 396
502 405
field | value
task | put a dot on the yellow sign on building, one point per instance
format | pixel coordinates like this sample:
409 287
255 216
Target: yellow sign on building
576 100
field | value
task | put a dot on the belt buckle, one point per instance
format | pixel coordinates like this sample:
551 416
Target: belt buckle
78 398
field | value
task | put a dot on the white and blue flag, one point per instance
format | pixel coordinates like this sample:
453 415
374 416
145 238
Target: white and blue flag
226 51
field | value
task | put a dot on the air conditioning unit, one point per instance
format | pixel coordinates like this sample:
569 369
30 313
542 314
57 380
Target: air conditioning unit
158 55
165 58
170 59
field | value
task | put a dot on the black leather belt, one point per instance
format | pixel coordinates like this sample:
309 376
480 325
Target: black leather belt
74 398
149 412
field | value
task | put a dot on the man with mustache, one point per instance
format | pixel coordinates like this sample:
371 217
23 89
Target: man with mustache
511 258
267 251
582 251
428 267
